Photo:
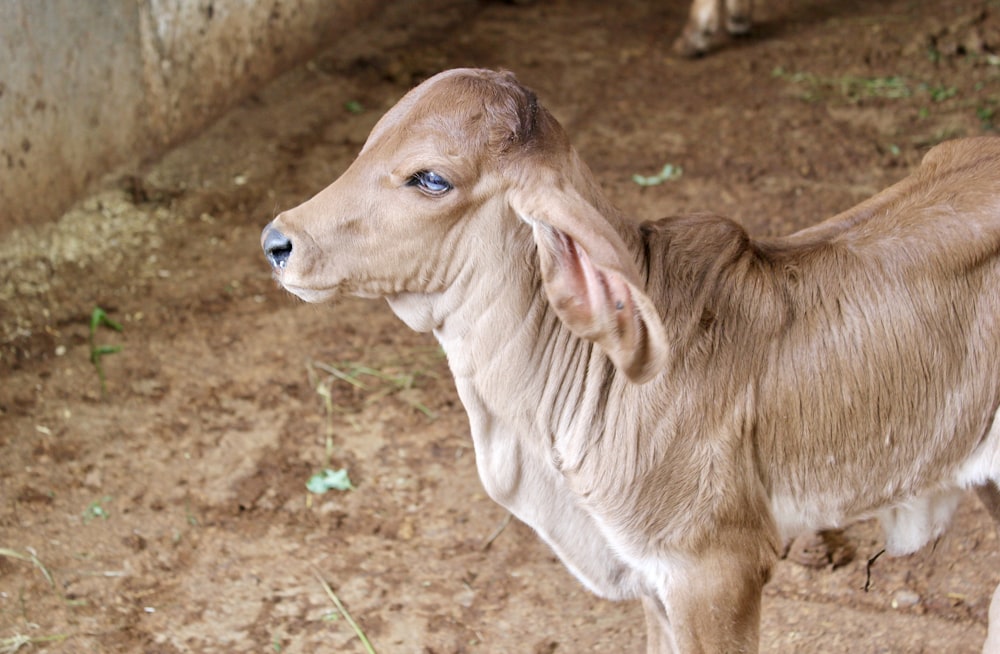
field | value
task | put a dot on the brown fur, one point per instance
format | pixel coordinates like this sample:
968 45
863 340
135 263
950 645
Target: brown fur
665 402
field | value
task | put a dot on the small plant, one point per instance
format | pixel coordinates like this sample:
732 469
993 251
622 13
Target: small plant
854 88
986 115
191 518
942 93
99 318
377 383
328 479
17 641
96 510
380 383
668 173
30 558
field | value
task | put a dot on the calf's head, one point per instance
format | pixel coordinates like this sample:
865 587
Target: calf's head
460 162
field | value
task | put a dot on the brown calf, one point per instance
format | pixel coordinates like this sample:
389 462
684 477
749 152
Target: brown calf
665 402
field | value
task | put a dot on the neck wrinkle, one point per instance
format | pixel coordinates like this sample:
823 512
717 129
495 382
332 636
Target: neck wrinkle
513 354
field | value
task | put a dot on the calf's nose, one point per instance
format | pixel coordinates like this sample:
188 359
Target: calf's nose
277 247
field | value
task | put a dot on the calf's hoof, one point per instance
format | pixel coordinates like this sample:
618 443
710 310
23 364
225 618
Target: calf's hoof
692 44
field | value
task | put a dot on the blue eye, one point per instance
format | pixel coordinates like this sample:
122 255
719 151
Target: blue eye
430 182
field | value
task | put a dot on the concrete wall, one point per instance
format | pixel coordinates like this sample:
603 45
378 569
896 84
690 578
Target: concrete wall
90 85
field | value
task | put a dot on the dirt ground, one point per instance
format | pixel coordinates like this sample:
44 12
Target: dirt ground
170 513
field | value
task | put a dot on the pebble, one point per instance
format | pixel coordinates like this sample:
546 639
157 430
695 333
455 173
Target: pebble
904 599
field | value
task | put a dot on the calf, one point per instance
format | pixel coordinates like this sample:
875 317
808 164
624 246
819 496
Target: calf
664 403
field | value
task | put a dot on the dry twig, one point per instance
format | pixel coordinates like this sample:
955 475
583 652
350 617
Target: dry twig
343 611
868 570
499 530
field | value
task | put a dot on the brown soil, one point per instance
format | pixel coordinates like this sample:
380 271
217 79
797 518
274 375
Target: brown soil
171 514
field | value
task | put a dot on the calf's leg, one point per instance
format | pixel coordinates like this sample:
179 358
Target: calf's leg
659 637
704 21
739 15
992 645
989 494
702 25
711 602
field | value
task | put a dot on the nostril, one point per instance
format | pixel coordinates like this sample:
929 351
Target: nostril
277 247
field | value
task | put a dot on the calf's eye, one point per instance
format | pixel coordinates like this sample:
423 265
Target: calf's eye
430 182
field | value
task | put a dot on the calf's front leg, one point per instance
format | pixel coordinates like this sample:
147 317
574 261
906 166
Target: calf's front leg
989 493
710 601
659 635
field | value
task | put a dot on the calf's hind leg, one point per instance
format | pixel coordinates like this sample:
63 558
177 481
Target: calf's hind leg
701 28
989 495
738 16
704 22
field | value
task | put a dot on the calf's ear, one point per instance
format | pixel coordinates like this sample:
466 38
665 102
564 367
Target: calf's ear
592 282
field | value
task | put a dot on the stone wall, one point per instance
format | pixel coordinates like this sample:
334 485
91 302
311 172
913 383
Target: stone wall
87 86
